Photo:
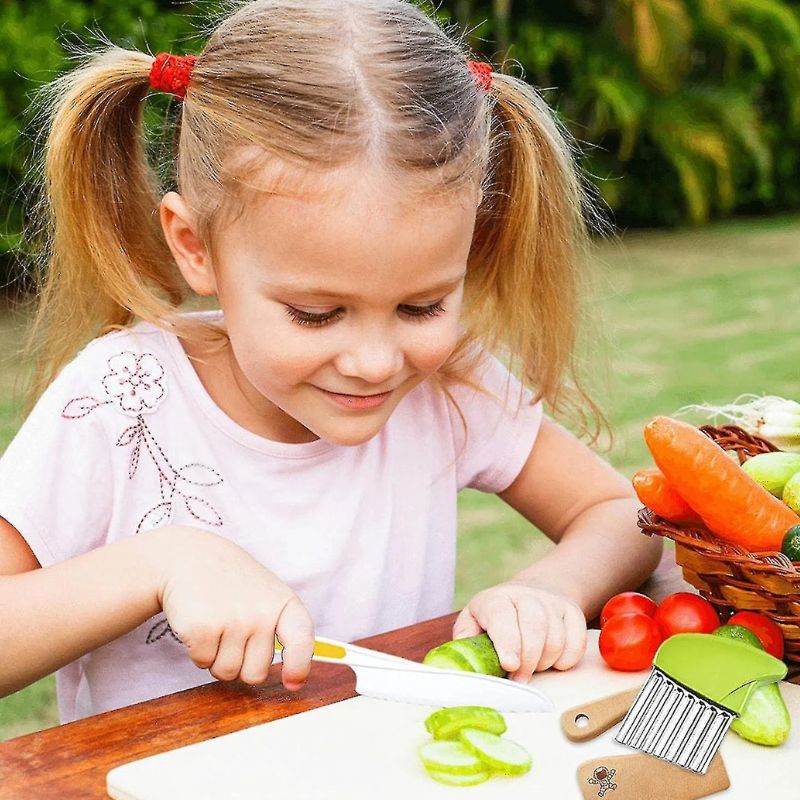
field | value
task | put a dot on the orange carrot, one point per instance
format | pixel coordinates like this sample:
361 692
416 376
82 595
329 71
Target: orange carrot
658 494
731 504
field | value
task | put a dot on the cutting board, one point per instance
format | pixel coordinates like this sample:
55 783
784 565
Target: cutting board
364 748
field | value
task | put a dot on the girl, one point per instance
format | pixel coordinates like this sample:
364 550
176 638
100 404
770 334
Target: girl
383 224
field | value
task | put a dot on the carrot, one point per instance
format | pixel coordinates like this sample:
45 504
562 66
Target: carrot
730 503
658 494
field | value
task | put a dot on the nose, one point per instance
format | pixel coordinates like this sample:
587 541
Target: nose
373 359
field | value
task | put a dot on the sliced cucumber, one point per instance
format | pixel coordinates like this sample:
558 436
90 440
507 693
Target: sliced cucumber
480 653
502 755
450 757
447 722
443 658
458 780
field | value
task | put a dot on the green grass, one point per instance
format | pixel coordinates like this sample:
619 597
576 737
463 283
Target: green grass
690 317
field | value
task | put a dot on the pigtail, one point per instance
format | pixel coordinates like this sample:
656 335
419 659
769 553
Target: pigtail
98 250
526 282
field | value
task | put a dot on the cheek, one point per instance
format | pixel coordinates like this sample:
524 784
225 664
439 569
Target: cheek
431 349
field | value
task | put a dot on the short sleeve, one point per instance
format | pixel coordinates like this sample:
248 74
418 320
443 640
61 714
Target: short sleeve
55 476
501 427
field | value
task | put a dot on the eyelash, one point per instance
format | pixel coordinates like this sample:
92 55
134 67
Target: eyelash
420 313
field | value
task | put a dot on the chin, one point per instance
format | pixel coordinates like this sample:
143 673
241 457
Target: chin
351 435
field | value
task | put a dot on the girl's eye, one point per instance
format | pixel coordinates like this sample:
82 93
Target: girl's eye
306 318
317 320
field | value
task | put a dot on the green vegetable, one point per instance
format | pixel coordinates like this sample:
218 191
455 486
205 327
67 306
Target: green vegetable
478 753
765 719
449 779
472 654
447 722
791 493
502 755
791 543
450 757
773 470
740 633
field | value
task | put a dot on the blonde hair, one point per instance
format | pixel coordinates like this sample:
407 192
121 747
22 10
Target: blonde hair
313 86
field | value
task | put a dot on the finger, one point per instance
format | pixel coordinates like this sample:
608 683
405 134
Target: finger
228 663
498 617
533 625
575 638
466 625
556 635
257 657
295 629
202 644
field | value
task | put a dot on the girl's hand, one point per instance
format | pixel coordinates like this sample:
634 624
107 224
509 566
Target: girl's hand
226 609
531 627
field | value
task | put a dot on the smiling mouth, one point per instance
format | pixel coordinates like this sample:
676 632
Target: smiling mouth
376 394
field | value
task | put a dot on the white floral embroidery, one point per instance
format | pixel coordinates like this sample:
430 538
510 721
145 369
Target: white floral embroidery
135 381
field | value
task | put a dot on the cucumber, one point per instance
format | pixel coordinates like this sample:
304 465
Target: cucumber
442 658
765 719
472 654
790 546
449 779
502 755
773 470
447 722
452 758
740 633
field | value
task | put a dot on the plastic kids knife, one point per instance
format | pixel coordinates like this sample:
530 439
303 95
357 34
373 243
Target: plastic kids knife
390 677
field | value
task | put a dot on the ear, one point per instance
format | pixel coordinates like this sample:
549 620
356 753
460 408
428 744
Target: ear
188 250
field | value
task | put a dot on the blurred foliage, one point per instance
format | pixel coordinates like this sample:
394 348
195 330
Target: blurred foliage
685 109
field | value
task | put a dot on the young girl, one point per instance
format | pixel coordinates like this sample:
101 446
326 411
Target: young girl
387 228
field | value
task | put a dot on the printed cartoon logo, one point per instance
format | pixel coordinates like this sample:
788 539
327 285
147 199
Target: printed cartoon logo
602 777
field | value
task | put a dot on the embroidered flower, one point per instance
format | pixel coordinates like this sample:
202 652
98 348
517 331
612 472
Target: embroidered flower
135 381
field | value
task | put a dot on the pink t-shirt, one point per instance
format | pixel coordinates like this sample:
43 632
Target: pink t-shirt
127 439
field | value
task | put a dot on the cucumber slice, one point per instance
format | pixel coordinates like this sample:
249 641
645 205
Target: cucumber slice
442 658
450 757
502 755
479 652
447 722
458 780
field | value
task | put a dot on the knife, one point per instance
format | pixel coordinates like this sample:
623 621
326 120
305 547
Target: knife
388 677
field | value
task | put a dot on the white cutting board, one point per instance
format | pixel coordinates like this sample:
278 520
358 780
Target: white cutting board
363 748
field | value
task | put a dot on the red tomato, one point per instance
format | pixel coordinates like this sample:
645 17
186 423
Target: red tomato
763 627
629 641
627 603
685 612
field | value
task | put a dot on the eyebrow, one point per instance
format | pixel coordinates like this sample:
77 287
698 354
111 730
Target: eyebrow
300 288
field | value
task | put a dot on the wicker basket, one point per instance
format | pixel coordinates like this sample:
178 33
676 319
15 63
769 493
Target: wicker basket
730 577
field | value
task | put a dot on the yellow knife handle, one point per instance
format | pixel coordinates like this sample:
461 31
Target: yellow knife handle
324 649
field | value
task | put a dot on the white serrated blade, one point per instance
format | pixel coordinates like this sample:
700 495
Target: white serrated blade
444 687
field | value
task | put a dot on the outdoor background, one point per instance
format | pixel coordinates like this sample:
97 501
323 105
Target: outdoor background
688 115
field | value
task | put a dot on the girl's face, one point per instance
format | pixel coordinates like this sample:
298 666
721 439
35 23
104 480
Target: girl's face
339 303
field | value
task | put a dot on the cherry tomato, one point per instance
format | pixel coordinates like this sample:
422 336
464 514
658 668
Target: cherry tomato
627 603
767 631
629 641
685 612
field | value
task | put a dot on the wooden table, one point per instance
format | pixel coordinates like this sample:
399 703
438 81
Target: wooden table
71 761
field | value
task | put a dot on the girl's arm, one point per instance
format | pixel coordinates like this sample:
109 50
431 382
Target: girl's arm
223 605
589 509
53 616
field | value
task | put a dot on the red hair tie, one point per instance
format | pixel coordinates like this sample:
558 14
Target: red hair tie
171 73
483 72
